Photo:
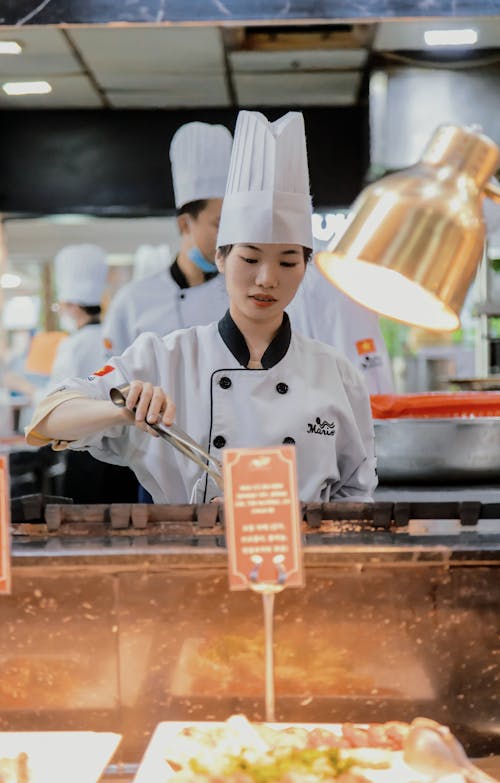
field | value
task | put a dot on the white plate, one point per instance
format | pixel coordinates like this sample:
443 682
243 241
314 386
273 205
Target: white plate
61 756
165 742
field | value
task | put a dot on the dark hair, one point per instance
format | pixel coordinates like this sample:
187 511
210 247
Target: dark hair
193 208
224 250
91 310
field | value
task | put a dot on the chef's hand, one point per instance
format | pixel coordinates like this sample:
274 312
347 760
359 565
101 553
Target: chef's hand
152 406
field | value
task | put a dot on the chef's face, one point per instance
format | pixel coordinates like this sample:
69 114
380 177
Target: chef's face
201 231
262 279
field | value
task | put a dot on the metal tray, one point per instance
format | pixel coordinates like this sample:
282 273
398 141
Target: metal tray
438 451
405 679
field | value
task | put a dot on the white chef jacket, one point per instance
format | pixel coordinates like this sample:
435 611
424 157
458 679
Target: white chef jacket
322 311
79 355
307 394
158 304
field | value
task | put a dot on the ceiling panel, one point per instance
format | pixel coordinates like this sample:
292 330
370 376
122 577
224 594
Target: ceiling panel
297 60
72 92
45 52
297 89
150 49
165 82
183 90
149 66
41 238
409 36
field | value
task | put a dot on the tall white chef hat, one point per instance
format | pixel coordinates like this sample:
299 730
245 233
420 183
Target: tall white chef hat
267 196
200 155
148 260
80 274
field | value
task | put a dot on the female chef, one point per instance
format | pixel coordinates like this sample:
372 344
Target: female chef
247 380
80 274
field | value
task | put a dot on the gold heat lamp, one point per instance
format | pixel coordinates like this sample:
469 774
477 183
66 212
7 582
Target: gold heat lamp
414 239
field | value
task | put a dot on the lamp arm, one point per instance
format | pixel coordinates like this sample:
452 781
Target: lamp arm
492 190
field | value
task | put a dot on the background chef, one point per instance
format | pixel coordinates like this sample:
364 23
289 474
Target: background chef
322 311
247 380
189 292
80 277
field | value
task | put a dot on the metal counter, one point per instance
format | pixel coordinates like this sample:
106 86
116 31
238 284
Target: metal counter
116 625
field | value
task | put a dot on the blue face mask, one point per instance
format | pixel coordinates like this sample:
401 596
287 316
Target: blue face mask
201 262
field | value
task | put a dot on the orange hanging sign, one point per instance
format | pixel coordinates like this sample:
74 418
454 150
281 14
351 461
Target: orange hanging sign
262 517
4 527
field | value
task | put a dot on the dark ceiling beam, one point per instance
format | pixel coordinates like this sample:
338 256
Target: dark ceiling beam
19 12
86 69
116 163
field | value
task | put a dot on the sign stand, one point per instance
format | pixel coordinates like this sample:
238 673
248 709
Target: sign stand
268 591
262 522
5 583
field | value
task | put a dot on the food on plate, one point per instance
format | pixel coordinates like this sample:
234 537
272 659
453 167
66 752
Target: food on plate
241 752
14 770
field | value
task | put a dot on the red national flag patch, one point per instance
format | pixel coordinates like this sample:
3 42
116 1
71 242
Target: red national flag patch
104 370
366 346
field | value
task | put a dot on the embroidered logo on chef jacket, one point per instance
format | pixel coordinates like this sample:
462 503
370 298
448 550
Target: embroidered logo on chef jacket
321 427
107 343
368 354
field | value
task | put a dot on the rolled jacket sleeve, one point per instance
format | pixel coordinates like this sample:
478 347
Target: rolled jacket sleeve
116 444
42 410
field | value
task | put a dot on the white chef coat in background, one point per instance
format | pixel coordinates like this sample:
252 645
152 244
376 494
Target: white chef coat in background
79 355
321 311
309 395
158 304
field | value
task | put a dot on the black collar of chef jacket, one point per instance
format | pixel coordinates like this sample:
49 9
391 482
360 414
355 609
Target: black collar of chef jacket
235 341
180 278
96 319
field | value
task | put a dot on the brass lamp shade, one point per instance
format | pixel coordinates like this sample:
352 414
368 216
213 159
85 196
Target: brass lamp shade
415 238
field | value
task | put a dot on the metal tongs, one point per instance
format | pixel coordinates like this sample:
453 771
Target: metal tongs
177 438
432 749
